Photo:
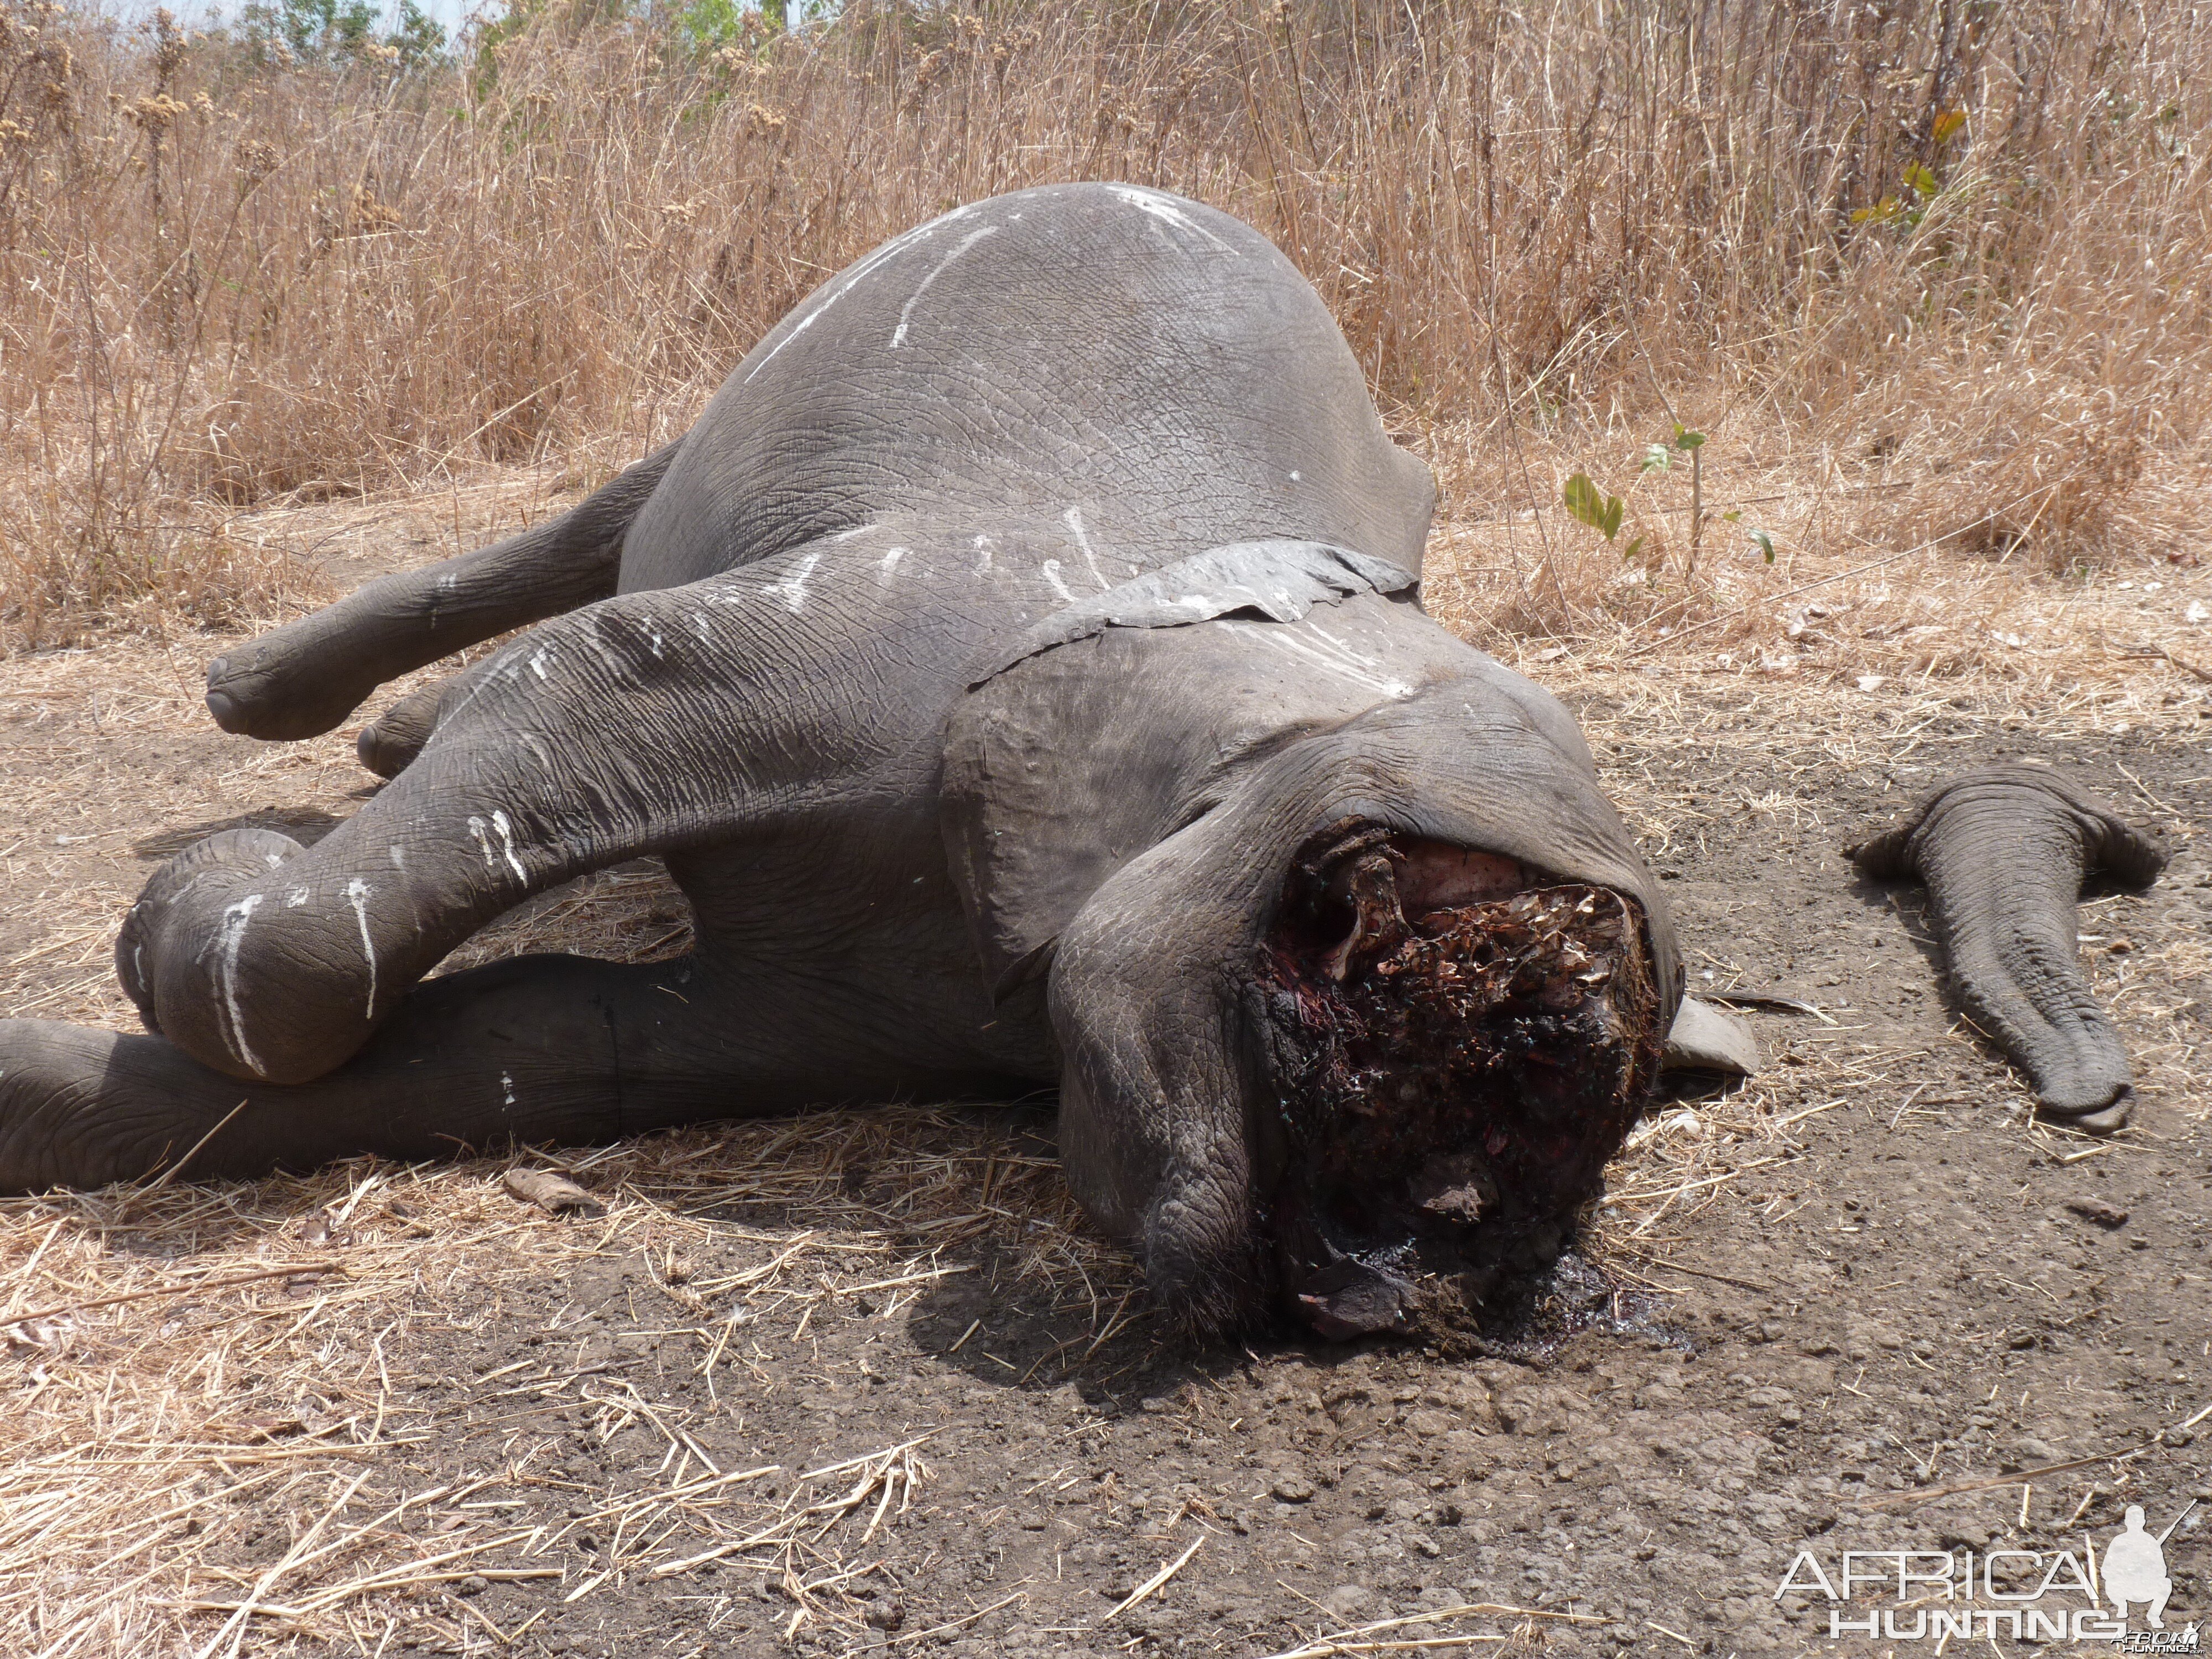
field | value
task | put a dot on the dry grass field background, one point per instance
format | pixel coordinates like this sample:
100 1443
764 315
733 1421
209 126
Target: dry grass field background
1922 271
1928 277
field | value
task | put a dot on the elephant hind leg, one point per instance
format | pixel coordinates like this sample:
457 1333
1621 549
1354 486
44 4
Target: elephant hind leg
394 738
532 1050
303 678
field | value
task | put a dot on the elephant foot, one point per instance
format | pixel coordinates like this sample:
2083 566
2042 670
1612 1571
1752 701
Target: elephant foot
225 861
388 744
71 1115
273 691
1453 1085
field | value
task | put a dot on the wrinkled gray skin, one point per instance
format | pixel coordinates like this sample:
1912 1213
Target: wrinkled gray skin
2005 851
900 660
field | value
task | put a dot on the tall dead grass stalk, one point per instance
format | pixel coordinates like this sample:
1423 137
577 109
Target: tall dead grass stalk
1958 242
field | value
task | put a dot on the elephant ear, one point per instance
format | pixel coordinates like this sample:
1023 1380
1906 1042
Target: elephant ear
1279 579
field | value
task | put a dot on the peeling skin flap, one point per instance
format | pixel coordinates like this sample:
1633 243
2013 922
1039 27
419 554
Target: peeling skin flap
1281 580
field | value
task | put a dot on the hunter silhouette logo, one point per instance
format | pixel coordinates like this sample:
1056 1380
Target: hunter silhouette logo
2135 1568
2036 1595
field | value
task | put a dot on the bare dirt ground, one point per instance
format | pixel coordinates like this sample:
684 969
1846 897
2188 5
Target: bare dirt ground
863 1382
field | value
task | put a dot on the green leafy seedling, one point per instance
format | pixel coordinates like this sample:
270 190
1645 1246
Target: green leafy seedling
1766 543
1593 506
1657 458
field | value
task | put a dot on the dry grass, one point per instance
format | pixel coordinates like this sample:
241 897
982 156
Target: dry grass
1548 234
188 1363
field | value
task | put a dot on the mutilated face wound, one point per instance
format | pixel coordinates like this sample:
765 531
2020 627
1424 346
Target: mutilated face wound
1454 1047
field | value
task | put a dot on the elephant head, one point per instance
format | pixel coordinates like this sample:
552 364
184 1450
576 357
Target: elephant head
1355 1028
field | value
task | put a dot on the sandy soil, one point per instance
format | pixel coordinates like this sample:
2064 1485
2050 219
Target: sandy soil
1864 1303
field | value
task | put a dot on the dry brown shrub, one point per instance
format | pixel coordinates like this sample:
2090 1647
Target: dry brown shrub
1546 235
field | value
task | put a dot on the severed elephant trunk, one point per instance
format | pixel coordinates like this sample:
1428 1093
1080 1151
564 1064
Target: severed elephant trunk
2003 852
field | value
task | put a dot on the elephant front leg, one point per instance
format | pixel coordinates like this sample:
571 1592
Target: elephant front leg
538 1049
642 724
306 677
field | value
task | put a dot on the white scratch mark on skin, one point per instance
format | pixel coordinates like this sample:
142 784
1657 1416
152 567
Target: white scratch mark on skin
1166 209
506 833
896 244
296 898
508 666
228 938
792 590
653 638
398 854
537 662
507 1087
906 311
1338 651
848 535
536 750
983 543
1295 478
1328 661
891 564
274 860
483 844
358 893
1052 575
1346 647
1073 520
447 582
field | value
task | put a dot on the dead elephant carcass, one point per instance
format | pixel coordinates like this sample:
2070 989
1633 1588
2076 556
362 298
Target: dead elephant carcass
1020 668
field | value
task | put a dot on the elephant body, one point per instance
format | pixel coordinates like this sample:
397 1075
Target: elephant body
1020 669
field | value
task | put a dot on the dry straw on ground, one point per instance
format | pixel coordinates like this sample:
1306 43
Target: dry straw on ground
202 1360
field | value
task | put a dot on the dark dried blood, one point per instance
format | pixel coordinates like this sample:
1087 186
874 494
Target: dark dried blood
1443 1110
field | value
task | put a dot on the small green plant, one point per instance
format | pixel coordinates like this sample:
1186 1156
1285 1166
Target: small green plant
1760 539
1921 182
1600 511
1603 512
1659 458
